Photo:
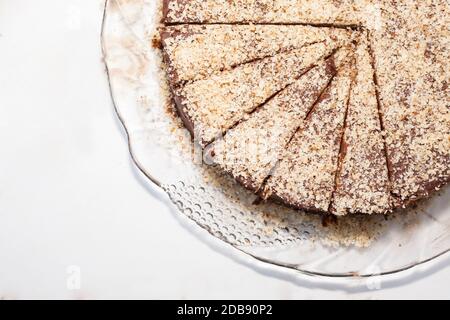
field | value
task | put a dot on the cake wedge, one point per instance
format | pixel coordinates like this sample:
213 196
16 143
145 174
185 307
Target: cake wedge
362 182
194 52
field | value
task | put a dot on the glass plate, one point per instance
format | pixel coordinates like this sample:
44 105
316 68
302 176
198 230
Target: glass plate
355 246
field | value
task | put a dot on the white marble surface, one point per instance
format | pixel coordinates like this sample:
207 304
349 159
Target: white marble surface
72 207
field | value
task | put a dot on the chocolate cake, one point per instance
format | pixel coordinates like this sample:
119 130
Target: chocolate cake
337 107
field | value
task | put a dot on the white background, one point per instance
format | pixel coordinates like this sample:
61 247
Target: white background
69 195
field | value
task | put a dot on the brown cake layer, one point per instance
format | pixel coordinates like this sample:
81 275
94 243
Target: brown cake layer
305 176
213 105
194 52
251 149
342 12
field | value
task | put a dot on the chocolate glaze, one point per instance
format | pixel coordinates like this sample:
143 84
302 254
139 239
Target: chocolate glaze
181 110
165 9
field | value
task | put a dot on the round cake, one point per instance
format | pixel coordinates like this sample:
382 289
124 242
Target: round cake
331 106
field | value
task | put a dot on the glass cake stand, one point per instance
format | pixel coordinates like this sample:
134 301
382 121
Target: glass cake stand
355 247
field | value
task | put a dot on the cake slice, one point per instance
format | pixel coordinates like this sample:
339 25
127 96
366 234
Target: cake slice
194 52
342 12
251 149
211 106
413 77
362 184
305 176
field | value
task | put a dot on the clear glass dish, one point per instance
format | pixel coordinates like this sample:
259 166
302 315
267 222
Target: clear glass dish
357 246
